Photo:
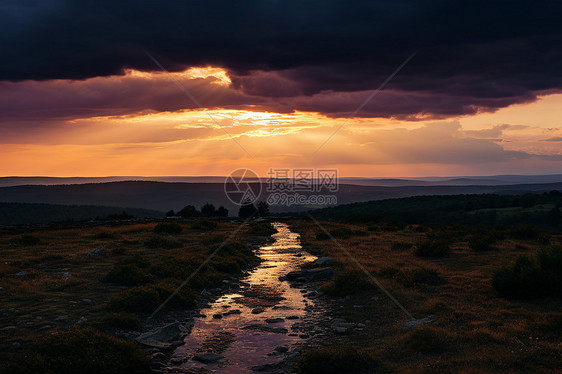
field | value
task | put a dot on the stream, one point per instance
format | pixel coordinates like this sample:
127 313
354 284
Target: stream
259 320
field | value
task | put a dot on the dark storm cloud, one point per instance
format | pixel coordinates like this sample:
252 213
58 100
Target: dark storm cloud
483 54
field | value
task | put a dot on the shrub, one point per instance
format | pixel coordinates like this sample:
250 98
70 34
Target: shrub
433 248
427 339
105 235
348 282
167 228
335 360
157 242
125 321
401 246
419 276
204 225
130 271
321 235
481 242
226 266
524 233
529 279
262 229
26 240
172 268
140 299
81 350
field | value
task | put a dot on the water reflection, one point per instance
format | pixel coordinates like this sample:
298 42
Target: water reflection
247 325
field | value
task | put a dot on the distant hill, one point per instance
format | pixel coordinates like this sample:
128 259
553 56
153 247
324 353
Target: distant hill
483 209
160 196
19 213
495 180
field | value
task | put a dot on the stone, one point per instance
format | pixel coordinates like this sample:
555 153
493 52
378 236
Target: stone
97 252
340 330
217 316
258 310
44 327
293 317
323 260
282 349
66 274
207 358
274 320
416 322
233 311
22 273
87 301
61 319
163 337
7 328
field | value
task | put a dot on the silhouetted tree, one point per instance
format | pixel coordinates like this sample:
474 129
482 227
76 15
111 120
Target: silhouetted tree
263 209
189 212
247 210
208 210
222 212
170 213
553 217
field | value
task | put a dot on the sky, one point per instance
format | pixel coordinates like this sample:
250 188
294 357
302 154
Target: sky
372 88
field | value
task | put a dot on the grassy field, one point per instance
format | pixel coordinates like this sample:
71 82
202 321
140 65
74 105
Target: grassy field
106 277
474 329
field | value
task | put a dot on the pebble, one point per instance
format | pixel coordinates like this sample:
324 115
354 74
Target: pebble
87 301
7 328
61 319
22 273
66 274
45 327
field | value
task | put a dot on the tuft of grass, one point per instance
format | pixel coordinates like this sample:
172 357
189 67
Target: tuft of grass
204 225
81 350
529 278
335 360
433 248
401 246
413 277
524 233
159 242
347 283
427 340
481 242
262 229
140 299
167 228
124 321
25 240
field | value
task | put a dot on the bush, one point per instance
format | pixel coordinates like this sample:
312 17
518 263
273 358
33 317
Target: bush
81 350
204 225
262 229
417 277
529 279
348 282
124 321
481 242
129 272
335 360
158 242
167 228
140 299
26 240
433 248
427 339
524 233
413 277
401 246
